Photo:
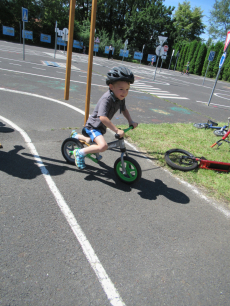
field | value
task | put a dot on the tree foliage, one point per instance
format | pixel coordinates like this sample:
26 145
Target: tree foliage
188 22
219 20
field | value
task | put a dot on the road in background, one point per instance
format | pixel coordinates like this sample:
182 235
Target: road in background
159 242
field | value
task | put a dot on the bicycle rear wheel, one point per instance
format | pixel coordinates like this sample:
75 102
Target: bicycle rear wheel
67 148
180 160
200 125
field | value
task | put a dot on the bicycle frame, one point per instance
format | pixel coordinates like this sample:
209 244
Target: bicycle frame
213 165
119 143
219 142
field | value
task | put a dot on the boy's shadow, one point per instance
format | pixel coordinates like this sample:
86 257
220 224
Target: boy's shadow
149 190
26 168
4 129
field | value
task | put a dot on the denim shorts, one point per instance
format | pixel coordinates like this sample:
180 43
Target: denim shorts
93 133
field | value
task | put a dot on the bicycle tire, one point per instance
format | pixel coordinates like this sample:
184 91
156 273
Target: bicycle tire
174 158
220 132
200 125
68 146
133 170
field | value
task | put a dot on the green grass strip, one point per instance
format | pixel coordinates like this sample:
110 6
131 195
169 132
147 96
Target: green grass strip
156 139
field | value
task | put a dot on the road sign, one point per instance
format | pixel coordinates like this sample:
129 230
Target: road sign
138 55
211 55
227 41
166 48
163 57
222 60
97 40
24 14
162 39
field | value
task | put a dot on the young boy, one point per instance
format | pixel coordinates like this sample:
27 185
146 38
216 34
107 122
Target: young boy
119 80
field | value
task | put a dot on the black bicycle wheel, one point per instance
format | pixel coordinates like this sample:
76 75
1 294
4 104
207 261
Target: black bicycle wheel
180 160
133 170
200 125
67 148
219 132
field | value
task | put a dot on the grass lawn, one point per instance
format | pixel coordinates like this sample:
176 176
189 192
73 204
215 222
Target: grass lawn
156 139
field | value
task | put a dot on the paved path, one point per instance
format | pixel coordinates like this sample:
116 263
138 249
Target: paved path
73 237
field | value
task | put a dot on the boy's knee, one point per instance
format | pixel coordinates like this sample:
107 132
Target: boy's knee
103 147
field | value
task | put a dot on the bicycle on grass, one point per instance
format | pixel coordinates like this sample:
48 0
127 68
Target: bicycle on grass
182 160
126 168
218 130
220 142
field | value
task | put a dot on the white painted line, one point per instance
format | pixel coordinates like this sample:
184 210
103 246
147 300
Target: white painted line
49 77
172 97
38 68
165 94
211 104
107 285
15 64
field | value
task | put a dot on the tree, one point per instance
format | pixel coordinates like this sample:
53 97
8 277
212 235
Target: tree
200 59
188 22
194 57
219 20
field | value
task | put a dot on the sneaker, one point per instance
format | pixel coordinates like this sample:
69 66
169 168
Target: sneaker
73 134
79 159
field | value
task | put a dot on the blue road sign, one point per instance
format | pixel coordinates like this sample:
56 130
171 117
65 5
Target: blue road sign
124 53
7 31
150 56
211 56
222 60
24 14
138 55
45 38
78 44
28 34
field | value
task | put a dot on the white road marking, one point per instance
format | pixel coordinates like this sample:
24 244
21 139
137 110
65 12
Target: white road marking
107 285
15 64
173 97
211 104
38 68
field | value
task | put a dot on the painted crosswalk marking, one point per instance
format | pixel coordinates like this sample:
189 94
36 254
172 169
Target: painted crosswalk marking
140 86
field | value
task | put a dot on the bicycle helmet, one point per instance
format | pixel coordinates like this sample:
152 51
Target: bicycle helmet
119 74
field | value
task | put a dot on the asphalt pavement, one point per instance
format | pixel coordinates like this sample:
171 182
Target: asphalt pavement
72 237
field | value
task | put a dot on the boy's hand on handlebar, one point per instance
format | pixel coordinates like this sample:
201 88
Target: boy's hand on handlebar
134 124
121 133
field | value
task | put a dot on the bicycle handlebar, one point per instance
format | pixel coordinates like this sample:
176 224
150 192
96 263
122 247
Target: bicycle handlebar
117 136
222 139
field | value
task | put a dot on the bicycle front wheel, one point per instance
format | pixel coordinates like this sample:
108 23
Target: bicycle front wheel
133 170
200 125
219 132
67 148
180 160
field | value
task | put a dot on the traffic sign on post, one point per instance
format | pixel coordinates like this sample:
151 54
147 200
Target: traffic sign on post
211 55
24 14
222 60
227 41
166 48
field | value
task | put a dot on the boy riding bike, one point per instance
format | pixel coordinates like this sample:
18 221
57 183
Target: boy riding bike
187 68
119 80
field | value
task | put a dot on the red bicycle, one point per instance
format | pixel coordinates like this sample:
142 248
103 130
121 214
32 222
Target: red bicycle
182 160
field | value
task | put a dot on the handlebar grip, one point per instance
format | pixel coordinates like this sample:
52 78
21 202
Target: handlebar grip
117 136
214 145
131 126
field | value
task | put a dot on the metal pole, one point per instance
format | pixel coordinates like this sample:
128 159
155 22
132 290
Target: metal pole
20 32
23 40
176 62
161 64
55 47
206 72
156 69
90 62
214 86
69 49
170 62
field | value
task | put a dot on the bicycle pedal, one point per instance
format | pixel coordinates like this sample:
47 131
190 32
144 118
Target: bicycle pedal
99 157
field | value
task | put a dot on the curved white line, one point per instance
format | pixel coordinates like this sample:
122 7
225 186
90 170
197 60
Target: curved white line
217 94
91 256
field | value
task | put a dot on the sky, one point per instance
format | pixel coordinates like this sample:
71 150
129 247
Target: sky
205 5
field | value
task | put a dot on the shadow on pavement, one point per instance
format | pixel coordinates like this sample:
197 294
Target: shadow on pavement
4 129
23 167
